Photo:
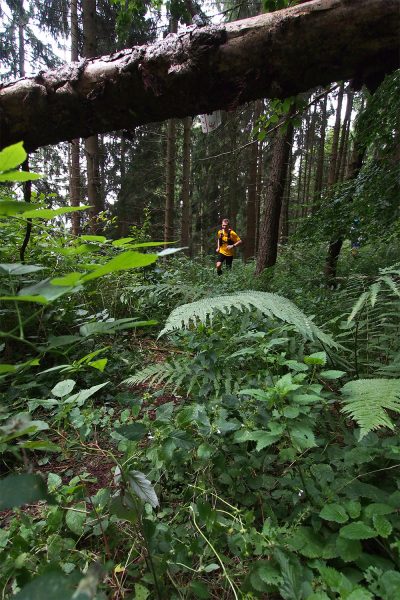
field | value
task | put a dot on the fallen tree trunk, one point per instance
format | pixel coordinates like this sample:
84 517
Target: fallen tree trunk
197 71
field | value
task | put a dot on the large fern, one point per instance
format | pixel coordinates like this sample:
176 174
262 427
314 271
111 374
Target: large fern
170 373
367 400
271 305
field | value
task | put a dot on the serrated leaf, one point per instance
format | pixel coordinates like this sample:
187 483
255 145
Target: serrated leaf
143 488
382 525
75 518
318 358
357 531
334 512
348 550
19 489
302 437
332 374
378 508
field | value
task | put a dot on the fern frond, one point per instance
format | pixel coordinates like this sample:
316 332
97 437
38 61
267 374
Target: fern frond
152 374
271 305
367 400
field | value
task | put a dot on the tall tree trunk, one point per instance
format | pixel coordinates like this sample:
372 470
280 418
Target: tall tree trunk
344 140
269 230
319 175
335 139
284 220
185 225
95 199
310 153
74 163
251 216
170 181
335 245
233 170
259 191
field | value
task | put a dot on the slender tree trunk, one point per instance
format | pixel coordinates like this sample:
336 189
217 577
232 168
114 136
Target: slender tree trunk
74 164
335 246
284 221
269 231
335 139
233 171
259 191
310 152
170 181
92 143
344 140
250 245
185 225
321 156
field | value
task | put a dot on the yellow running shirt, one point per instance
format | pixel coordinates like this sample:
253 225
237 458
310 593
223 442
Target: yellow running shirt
224 241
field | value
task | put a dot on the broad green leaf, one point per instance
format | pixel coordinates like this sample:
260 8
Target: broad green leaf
81 397
110 327
377 508
390 585
122 262
44 289
67 280
122 507
8 208
211 567
143 488
302 437
357 531
99 364
75 518
348 550
5 368
334 512
54 481
332 374
25 298
93 238
19 176
12 156
268 573
263 438
18 268
360 594
19 489
141 592
133 432
318 358
76 250
52 585
199 590
50 213
43 445
353 507
63 388
382 525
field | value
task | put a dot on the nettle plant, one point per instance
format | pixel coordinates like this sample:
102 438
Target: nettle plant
28 306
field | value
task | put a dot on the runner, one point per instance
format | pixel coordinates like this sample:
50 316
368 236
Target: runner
228 240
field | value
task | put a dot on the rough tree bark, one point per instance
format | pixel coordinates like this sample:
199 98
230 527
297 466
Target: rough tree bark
269 229
319 175
185 222
94 196
202 70
74 165
251 208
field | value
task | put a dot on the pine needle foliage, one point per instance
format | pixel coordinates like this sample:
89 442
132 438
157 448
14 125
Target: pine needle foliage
367 400
269 304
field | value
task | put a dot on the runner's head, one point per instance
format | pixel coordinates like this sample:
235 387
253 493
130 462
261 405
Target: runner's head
225 223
